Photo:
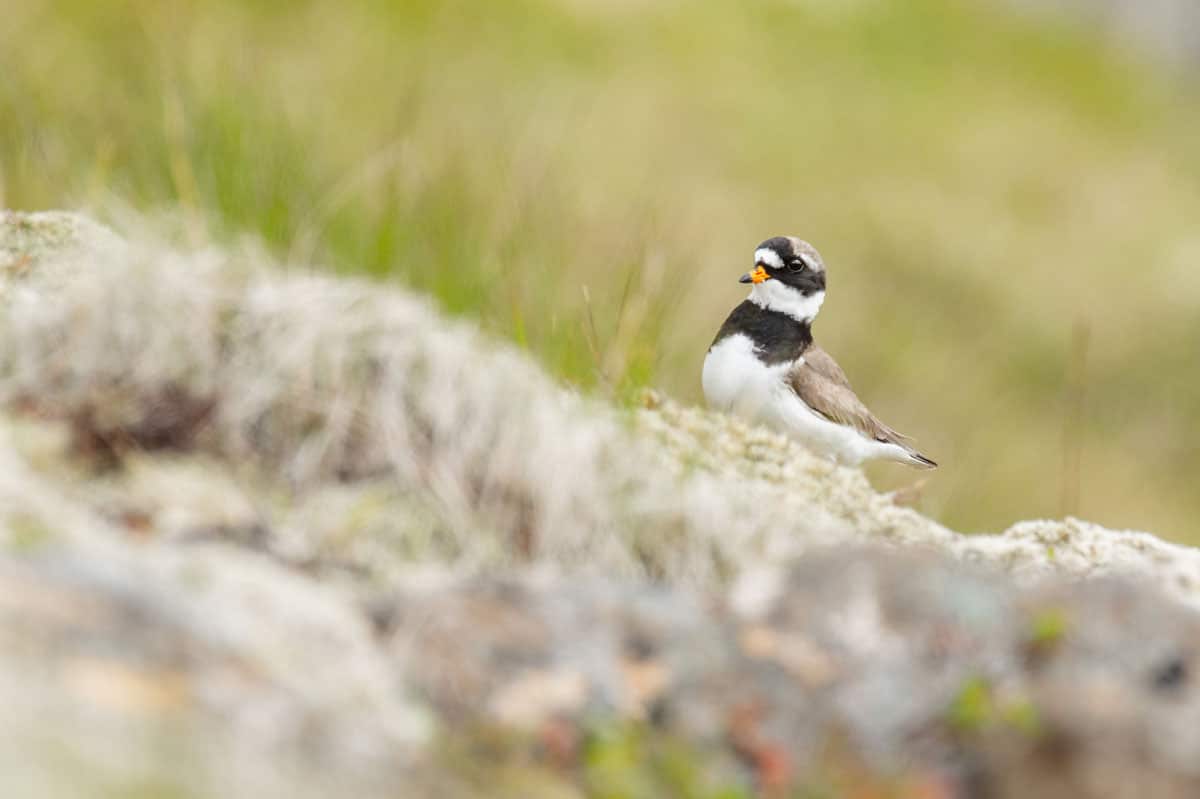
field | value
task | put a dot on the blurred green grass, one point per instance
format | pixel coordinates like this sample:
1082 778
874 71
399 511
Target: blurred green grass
589 178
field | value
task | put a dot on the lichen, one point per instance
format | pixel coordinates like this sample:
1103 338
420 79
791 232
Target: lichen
280 491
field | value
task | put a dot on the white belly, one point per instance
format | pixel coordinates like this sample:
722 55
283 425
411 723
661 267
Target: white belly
736 381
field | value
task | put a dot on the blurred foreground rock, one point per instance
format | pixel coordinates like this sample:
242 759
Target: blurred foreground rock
853 671
269 533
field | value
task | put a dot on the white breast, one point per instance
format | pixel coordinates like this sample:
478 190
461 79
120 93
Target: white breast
736 381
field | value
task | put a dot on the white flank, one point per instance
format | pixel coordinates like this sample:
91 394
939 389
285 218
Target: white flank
736 381
776 296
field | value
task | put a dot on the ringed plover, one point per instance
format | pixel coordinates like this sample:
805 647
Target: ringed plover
764 366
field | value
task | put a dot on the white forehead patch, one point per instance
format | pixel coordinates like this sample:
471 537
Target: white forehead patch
765 255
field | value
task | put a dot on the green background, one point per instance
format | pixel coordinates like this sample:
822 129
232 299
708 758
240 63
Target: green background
1008 208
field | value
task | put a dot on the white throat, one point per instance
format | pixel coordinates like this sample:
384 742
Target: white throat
776 296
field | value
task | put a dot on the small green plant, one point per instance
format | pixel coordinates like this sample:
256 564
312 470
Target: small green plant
972 708
632 761
28 534
1048 627
978 707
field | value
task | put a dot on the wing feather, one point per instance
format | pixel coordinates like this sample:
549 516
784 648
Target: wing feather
823 386
823 363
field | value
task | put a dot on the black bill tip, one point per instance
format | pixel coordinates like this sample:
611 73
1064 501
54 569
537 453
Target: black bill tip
746 278
922 462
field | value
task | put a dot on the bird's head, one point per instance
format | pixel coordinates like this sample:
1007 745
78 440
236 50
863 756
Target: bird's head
788 276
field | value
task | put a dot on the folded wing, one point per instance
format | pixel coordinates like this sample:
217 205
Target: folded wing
823 386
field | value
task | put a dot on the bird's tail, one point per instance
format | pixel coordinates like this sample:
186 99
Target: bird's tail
901 450
920 461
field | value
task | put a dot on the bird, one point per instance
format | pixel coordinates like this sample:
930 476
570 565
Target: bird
764 366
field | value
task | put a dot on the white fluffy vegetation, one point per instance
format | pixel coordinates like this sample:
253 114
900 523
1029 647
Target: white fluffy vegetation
356 425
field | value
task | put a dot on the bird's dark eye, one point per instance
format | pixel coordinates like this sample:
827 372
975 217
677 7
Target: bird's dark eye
796 265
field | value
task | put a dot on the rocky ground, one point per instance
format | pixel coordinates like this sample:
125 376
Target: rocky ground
266 532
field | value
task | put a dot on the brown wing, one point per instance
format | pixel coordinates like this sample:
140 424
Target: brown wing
823 364
823 386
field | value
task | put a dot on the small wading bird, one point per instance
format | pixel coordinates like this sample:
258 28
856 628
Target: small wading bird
764 366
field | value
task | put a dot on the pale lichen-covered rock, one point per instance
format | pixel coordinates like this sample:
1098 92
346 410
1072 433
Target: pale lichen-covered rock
118 648
26 240
446 445
286 523
913 662
37 243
